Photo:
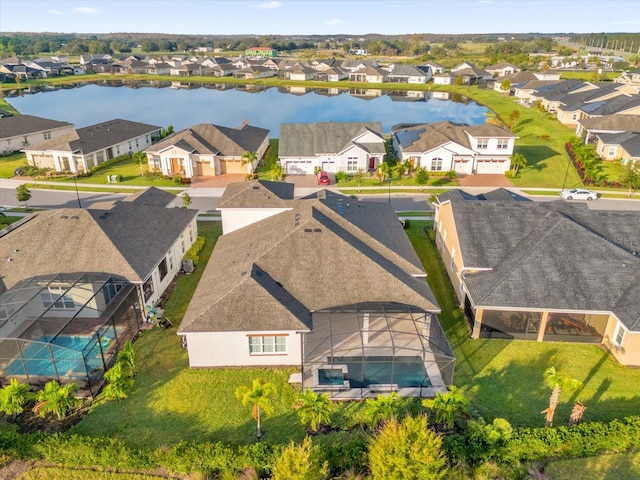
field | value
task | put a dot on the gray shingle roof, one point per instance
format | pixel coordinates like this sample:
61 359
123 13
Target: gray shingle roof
615 122
308 139
257 194
271 275
551 255
127 240
16 125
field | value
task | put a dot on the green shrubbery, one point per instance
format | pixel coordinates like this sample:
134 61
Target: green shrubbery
193 253
103 165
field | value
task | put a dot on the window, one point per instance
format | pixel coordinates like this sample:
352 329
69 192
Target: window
137 143
156 162
162 269
503 144
170 257
47 136
619 337
483 144
182 244
612 151
574 116
352 164
267 344
436 164
453 256
57 298
110 290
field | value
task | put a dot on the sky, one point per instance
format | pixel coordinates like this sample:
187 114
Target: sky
321 17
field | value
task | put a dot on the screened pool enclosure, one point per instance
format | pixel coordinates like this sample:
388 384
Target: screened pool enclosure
66 327
362 350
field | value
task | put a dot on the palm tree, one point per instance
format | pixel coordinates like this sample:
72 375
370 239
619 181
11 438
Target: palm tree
557 382
259 397
118 382
576 413
13 397
127 357
518 161
382 409
56 398
314 408
140 158
447 406
249 157
278 171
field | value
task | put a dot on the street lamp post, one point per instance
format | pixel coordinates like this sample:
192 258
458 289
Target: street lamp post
77 193
389 187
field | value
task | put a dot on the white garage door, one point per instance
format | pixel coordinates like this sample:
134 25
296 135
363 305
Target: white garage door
491 166
299 167
329 167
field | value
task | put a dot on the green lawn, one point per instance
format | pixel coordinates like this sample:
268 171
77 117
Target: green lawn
9 163
619 466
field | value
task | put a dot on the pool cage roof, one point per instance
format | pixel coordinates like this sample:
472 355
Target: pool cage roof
40 308
379 333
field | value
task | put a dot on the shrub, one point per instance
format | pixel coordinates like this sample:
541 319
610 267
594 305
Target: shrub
193 253
103 165
342 177
422 176
177 180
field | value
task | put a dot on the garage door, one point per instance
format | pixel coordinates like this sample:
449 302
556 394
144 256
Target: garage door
329 167
233 166
491 166
299 167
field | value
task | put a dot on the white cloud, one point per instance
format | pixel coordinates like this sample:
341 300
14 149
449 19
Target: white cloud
269 5
86 10
335 21
54 12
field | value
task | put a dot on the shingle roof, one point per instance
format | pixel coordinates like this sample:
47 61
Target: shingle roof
206 138
550 255
257 194
271 275
614 122
151 196
17 125
630 141
97 137
127 240
307 139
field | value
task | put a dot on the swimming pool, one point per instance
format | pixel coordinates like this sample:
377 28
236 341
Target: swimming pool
365 371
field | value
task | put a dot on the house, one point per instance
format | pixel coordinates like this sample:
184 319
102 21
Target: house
207 149
353 312
300 73
333 74
369 74
543 271
435 67
20 131
623 146
588 128
261 52
86 147
254 72
515 80
446 78
401 73
76 284
501 69
331 147
446 146
630 78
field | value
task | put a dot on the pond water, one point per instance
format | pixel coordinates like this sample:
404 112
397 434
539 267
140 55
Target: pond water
183 105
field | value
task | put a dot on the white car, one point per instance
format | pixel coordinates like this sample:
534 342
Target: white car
579 194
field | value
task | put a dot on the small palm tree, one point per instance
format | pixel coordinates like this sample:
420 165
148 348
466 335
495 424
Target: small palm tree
518 161
140 158
127 357
576 413
557 383
314 408
13 397
57 399
382 409
447 406
249 158
118 382
259 396
278 172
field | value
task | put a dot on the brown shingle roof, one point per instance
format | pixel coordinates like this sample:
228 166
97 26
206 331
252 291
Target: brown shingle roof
25 124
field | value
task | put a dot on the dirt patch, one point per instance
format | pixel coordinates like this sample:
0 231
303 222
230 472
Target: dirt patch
484 180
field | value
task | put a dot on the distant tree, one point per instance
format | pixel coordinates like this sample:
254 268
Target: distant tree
408 451
149 46
505 86
23 194
54 47
165 132
57 399
513 119
300 462
259 397
40 47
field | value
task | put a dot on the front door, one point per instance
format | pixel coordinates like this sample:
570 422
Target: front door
372 163
176 165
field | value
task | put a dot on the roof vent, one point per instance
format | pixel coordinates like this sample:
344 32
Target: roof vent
63 216
243 273
74 217
316 230
279 284
256 187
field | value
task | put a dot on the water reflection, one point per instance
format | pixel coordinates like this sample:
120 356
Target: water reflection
183 104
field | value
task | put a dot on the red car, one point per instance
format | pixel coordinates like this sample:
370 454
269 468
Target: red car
323 178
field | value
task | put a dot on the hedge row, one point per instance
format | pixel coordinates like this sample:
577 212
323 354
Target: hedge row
193 253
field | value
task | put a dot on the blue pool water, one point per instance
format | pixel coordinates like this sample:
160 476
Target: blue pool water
37 357
403 371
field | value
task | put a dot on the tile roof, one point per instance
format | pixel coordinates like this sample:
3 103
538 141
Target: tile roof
307 139
125 239
271 275
554 255
16 125
206 138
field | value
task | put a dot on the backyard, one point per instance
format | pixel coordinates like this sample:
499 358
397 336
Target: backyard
501 378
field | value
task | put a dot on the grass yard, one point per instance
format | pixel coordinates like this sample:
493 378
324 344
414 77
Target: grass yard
504 378
9 163
619 466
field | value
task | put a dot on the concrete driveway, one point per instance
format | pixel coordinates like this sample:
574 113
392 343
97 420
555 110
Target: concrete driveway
484 180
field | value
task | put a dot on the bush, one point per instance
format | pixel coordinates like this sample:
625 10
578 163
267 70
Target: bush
103 165
342 177
193 253
177 180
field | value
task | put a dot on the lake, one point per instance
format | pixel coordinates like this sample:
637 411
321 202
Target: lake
184 105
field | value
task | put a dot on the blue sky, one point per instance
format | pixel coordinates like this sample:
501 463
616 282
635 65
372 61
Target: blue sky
287 17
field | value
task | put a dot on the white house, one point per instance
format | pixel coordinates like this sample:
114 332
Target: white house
331 147
446 146
81 149
209 150
20 131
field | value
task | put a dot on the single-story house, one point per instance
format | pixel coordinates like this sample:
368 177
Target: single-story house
615 123
209 150
445 78
333 74
300 73
369 74
501 69
255 72
446 146
76 284
20 131
543 271
329 285
402 73
331 147
86 147
623 146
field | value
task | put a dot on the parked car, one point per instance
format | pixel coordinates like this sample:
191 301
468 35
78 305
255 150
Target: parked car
323 178
579 194
18 172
